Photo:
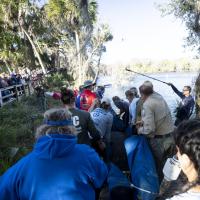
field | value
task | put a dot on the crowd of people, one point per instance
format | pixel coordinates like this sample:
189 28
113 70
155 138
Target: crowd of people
72 155
12 79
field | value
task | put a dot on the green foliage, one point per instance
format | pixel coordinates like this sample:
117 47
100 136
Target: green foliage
189 12
61 33
58 10
150 66
18 124
57 80
7 159
17 128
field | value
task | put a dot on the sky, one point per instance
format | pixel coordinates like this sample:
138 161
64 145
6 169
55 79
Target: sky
140 32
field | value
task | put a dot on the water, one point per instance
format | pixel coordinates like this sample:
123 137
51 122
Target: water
179 79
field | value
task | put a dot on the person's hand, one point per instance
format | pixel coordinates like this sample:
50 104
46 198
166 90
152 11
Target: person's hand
140 130
96 102
48 94
170 84
101 145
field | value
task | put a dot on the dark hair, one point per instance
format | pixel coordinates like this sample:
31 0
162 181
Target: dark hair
116 98
135 91
67 96
80 88
188 87
187 138
129 93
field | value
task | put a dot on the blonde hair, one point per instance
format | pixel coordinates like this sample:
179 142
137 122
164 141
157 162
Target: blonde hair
56 115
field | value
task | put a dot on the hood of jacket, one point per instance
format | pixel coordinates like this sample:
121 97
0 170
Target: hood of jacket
54 145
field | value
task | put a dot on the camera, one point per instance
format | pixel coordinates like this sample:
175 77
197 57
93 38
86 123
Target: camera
171 169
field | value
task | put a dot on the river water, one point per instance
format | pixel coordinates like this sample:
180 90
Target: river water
178 79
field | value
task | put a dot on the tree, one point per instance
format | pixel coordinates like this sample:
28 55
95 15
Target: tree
81 41
60 33
15 19
189 12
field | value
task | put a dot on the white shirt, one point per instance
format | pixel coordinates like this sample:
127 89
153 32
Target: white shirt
186 196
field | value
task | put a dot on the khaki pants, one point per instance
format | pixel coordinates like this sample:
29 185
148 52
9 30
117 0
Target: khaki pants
162 148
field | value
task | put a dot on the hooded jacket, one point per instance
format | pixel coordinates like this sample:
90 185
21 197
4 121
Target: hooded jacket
57 168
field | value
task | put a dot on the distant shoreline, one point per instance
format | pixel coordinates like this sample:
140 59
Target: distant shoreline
159 72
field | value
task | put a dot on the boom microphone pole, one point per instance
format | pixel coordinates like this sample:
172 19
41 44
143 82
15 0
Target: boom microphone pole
129 70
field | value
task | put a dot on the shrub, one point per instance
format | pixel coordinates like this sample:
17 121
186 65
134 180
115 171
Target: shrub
17 126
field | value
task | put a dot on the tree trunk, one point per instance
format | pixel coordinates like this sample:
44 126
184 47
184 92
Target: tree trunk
79 58
7 66
34 49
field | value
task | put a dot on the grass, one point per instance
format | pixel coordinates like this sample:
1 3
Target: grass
18 122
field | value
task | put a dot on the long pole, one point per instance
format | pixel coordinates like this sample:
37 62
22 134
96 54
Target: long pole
146 76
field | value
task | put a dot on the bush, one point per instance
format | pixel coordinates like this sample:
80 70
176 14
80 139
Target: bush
18 123
17 126
57 80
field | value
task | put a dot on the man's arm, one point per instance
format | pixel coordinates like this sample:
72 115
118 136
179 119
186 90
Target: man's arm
96 170
55 95
92 129
180 94
95 104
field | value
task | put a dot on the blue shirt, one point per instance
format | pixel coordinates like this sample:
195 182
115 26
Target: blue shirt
57 168
132 110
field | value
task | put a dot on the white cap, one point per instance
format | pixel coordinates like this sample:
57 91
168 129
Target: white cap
106 100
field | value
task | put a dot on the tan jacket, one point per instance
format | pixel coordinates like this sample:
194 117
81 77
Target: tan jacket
156 116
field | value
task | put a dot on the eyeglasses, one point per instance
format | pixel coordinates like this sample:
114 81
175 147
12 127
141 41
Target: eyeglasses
185 90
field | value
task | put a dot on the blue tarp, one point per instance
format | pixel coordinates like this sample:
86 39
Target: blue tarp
116 177
118 184
142 167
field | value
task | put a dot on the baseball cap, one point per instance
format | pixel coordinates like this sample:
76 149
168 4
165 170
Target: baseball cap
106 100
88 83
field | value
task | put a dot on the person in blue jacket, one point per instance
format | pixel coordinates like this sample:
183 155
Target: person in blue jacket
185 109
57 168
